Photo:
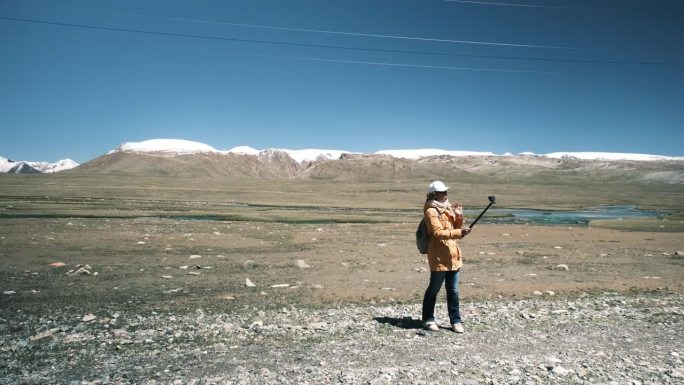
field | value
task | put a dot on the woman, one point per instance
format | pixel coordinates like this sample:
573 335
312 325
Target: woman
444 222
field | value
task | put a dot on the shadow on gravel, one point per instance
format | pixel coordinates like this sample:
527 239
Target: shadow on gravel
404 323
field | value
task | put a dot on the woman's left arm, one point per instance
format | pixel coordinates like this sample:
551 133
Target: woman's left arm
457 207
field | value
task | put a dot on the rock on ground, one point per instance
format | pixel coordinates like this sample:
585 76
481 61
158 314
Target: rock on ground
606 339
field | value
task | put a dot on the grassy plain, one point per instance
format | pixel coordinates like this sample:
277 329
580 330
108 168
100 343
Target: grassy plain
162 242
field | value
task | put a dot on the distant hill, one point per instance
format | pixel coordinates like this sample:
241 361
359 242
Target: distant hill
267 165
178 158
23 167
173 157
383 167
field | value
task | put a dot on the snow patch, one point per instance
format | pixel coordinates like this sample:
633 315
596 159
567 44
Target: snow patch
310 155
166 146
307 155
420 153
244 150
609 156
6 164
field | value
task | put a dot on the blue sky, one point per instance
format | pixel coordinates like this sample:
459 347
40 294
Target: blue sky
80 77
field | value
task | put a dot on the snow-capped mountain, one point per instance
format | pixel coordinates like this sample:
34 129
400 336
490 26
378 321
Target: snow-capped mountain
25 167
184 147
61 165
182 158
305 157
181 147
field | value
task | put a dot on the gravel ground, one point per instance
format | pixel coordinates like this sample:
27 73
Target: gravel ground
607 338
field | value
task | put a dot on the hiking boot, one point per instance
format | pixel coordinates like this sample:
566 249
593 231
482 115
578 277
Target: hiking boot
431 325
457 327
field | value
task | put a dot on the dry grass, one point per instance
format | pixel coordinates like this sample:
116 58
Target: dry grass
357 237
94 194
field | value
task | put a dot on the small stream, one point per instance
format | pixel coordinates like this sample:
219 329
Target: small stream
366 215
558 217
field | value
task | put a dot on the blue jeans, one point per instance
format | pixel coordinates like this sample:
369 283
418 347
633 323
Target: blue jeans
436 280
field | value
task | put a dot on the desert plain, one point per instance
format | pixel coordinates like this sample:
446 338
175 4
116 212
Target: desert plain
156 279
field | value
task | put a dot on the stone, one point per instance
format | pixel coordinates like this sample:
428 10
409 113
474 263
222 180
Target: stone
82 271
45 336
249 283
249 264
561 371
527 315
195 256
562 267
301 264
120 333
88 318
318 326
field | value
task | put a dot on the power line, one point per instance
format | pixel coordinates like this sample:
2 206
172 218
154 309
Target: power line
405 65
506 4
416 38
338 47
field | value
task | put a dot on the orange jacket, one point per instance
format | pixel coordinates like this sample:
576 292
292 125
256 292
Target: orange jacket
444 226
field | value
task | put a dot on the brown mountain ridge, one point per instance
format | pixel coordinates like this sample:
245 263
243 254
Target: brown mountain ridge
275 164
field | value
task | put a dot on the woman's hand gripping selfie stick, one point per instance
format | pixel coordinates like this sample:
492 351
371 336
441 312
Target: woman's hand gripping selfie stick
492 200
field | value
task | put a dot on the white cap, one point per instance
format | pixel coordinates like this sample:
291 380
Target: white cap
437 186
